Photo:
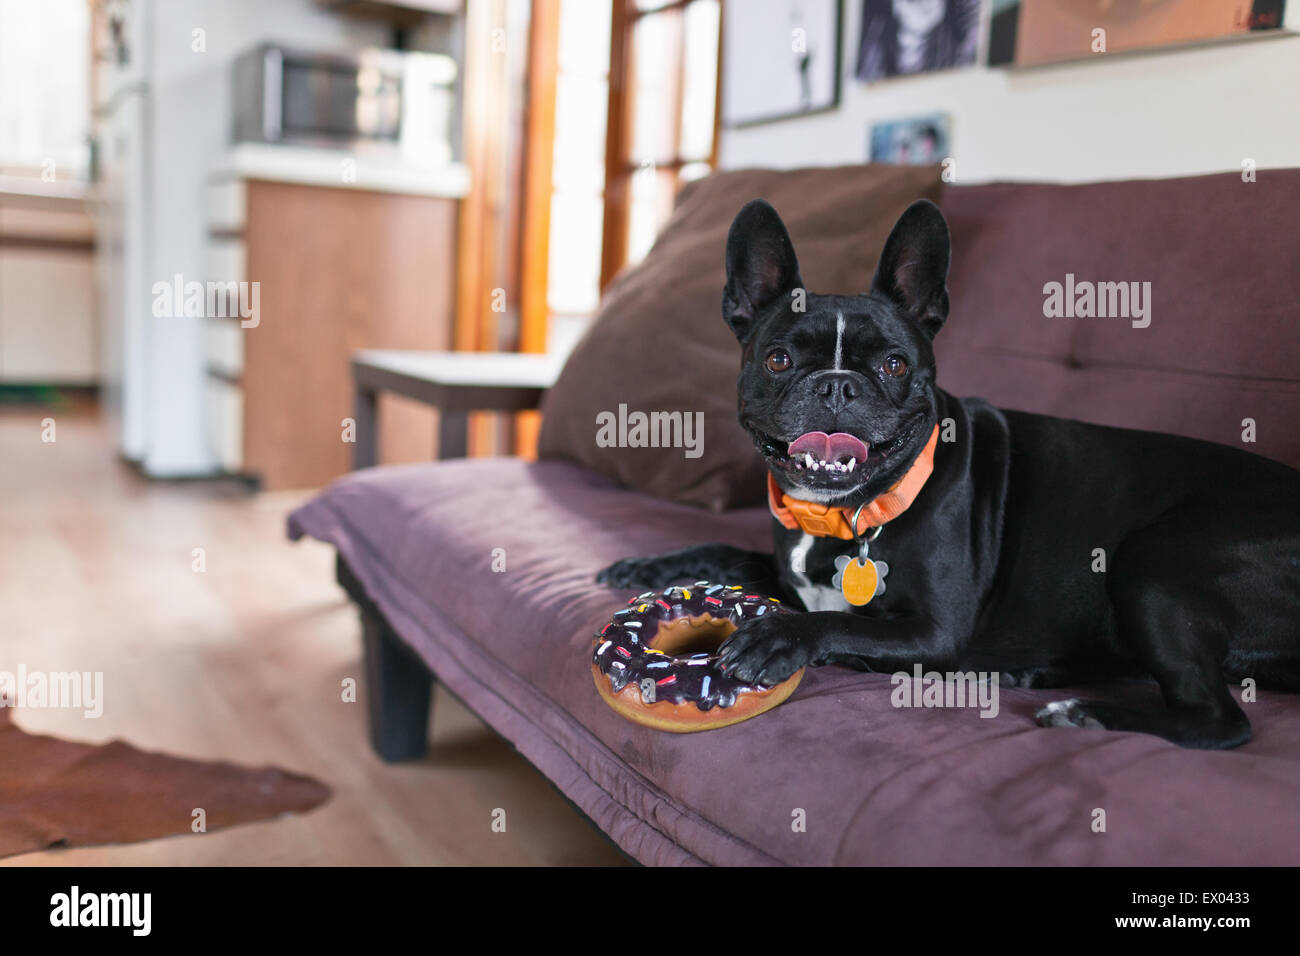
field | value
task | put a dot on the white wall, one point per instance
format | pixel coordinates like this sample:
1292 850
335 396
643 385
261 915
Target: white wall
1155 114
188 132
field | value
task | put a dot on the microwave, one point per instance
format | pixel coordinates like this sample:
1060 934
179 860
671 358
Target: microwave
374 98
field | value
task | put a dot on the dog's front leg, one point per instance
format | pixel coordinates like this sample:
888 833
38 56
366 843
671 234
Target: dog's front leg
767 650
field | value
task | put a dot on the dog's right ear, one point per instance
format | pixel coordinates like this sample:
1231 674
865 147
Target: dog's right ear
761 266
913 269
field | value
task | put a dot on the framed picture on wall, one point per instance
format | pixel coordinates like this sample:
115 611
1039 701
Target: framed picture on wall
1036 32
902 37
781 58
914 141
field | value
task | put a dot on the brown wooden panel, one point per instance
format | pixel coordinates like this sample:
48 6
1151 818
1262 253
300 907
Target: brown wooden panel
618 125
543 69
339 270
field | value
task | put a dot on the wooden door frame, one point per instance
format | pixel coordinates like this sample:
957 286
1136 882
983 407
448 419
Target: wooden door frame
539 152
489 245
487 135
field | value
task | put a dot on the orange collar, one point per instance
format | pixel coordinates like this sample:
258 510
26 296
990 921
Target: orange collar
824 521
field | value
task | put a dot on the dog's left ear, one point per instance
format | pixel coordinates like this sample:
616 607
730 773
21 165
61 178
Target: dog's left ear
913 269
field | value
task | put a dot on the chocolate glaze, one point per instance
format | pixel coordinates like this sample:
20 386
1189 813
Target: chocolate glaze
623 654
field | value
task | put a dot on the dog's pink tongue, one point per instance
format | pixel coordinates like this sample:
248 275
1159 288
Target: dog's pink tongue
840 446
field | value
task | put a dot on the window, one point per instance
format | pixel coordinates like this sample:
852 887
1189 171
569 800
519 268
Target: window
44 112
662 117
578 172
619 104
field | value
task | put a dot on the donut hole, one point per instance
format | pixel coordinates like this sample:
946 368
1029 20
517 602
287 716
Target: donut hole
692 635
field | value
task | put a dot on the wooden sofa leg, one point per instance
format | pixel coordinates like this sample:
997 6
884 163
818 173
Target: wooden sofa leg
398 689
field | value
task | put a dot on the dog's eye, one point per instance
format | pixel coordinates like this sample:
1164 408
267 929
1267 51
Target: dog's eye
894 366
778 360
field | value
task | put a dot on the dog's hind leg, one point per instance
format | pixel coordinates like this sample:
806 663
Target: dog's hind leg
1172 621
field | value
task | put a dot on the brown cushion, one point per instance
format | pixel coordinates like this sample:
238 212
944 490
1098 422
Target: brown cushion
659 342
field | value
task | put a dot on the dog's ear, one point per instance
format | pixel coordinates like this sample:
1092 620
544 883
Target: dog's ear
913 270
760 266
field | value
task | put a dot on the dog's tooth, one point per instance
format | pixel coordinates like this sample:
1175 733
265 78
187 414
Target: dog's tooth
852 463
808 459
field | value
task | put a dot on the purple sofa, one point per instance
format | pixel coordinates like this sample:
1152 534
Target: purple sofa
872 783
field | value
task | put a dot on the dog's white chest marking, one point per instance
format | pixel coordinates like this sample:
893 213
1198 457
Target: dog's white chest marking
815 597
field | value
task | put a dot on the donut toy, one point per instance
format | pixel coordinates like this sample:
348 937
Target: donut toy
655 663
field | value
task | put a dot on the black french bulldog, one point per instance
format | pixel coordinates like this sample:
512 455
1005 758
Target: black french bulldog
992 567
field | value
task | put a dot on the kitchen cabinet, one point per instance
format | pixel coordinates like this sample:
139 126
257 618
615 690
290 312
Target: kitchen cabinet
330 270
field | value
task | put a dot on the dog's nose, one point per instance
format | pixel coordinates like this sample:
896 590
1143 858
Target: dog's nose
837 389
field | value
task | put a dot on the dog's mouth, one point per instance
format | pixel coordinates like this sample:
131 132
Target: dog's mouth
817 451
838 460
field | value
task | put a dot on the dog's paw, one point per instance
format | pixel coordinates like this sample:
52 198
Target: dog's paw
630 573
1068 713
764 650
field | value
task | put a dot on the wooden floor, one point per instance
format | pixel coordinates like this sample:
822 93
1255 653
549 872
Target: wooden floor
243 661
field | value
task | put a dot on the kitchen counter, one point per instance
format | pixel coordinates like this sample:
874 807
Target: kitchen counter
31 187
315 166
